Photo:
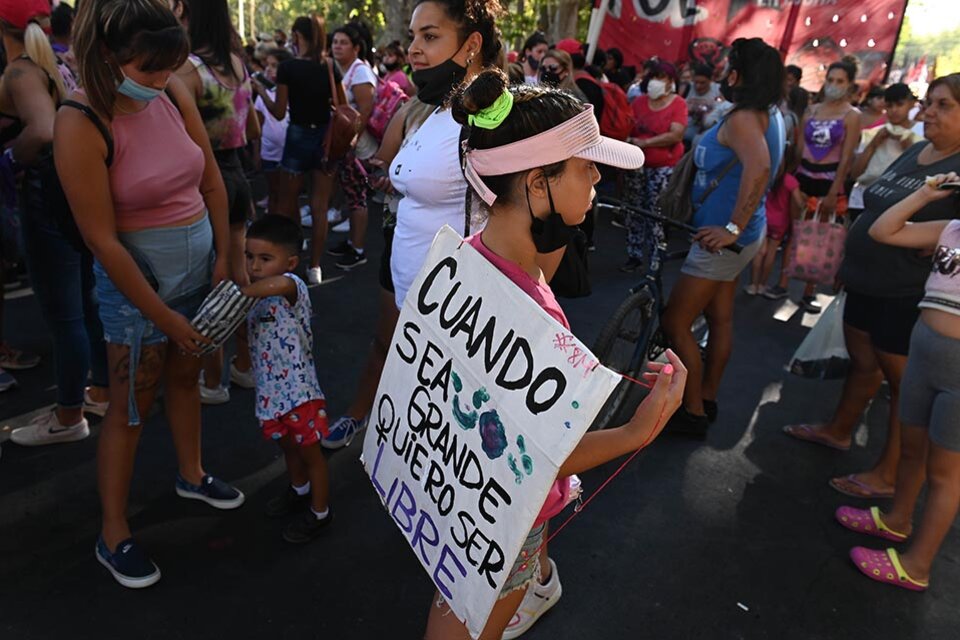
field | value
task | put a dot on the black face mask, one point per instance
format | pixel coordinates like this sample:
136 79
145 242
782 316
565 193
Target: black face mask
728 91
550 77
393 66
436 83
551 233
533 63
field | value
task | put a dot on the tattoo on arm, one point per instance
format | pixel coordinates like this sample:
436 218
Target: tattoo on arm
750 205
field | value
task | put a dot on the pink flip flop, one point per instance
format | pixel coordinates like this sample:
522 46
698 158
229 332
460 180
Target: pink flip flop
867 521
885 567
865 492
807 433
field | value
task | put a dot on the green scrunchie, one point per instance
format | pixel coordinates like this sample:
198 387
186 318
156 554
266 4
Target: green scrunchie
494 115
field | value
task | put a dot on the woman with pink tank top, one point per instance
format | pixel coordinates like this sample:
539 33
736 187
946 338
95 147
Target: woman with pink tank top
145 190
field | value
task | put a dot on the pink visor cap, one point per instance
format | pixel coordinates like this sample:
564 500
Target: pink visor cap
578 137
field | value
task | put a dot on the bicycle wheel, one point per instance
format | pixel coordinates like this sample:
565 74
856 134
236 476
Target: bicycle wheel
625 333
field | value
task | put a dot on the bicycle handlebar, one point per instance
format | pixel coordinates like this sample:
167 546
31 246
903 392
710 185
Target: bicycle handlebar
613 203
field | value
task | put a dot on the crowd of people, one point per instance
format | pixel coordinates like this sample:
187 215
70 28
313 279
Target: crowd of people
132 132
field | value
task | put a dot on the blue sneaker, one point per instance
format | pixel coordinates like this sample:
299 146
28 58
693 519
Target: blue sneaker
342 433
7 381
129 565
214 492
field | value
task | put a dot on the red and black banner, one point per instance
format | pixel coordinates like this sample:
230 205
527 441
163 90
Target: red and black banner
809 33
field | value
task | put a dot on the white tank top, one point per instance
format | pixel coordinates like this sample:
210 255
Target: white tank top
427 173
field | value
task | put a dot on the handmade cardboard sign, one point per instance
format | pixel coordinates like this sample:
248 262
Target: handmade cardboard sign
482 398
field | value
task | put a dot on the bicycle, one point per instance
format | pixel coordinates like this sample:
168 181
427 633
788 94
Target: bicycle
632 336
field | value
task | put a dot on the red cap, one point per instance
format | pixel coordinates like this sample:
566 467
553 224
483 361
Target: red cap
20 13
512 57
569 45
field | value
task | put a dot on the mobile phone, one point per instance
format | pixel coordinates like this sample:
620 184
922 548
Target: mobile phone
955 186
264 80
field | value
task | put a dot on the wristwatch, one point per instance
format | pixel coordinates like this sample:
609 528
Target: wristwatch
733 229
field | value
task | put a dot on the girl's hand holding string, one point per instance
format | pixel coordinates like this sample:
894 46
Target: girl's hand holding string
663 400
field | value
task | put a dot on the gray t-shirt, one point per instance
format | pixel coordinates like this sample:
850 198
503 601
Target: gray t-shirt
881 270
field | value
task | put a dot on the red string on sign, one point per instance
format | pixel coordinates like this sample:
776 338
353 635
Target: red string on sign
583 505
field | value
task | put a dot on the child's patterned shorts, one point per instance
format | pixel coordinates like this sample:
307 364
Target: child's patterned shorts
305 424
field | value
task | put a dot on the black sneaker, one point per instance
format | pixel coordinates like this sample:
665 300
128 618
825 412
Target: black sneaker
342 249
214 492
129 565
307 527
775 293
810 304
632 265
352 259
710 408
684 423
286 503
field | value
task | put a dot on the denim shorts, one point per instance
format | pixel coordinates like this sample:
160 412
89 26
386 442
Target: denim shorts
178 264
304 148
724 266
269 166
526 568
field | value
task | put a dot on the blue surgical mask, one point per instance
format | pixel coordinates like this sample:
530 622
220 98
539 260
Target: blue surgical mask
136 91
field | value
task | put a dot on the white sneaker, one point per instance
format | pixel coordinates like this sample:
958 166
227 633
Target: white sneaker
93 407
46 429
218 395
243 379
343 227
314 275
538 600
333 216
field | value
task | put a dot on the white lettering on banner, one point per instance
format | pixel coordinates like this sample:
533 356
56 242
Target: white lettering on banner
482 398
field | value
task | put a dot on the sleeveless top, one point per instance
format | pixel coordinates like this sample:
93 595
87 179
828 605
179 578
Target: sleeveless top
157 168
224 109
710 158
823 145
426 171
943 284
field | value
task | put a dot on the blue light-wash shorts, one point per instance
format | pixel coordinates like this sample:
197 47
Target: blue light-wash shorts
178 264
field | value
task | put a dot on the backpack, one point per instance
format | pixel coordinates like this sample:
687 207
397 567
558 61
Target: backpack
617 119
387 102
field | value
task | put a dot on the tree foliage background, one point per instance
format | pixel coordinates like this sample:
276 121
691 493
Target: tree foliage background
388 19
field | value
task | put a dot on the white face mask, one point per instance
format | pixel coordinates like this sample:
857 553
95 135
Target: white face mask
656 88
833 92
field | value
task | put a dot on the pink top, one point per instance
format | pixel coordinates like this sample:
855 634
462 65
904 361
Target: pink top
943 284
541 293
157 168
398 76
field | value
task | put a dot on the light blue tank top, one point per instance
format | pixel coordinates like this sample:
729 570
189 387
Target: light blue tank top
710 158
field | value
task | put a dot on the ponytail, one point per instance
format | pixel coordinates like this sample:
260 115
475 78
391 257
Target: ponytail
41 53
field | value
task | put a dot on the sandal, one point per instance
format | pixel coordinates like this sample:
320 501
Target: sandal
808 433
867 521
861 489
884 566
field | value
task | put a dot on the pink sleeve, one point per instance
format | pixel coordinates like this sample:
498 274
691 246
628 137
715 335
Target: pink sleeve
790 183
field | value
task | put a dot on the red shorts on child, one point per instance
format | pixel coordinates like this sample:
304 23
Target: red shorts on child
305 423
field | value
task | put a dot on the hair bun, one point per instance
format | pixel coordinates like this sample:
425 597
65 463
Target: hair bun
478 94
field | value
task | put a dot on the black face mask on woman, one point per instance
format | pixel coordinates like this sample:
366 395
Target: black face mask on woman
391 66
550 77
436 83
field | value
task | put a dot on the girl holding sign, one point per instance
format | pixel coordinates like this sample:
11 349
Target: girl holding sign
529 149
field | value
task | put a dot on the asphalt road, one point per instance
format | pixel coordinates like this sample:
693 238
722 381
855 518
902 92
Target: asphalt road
732 538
